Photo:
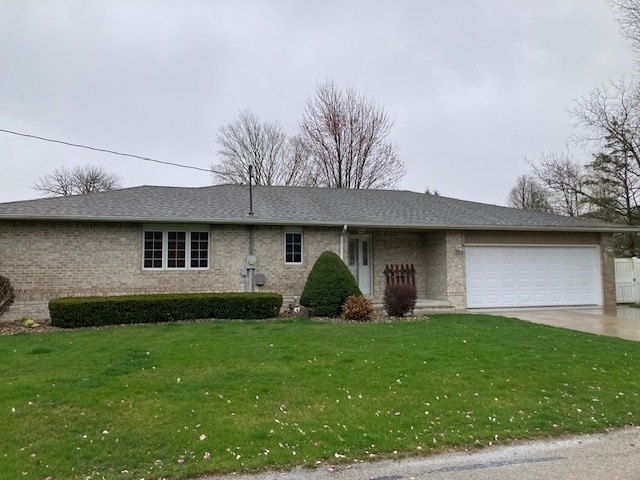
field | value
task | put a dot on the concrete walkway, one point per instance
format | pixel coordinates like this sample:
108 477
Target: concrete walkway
623 322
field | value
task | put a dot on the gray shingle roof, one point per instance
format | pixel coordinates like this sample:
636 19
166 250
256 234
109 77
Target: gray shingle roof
292 206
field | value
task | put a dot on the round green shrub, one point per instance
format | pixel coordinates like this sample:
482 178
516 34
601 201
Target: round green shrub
328 285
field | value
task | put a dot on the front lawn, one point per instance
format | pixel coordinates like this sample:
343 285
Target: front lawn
177 400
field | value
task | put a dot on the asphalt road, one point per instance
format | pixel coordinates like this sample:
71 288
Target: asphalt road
615 455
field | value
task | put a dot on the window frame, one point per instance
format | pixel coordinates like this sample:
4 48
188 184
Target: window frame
301 234
165 232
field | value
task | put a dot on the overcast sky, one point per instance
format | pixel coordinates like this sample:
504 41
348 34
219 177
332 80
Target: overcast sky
473 86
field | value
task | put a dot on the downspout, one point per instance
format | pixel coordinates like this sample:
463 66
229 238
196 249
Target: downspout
250 267
342 235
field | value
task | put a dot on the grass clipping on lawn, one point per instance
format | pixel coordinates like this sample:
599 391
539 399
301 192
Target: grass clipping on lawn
178 400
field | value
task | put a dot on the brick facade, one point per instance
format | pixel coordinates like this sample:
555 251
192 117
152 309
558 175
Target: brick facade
439 268
398 248
607 266
45 260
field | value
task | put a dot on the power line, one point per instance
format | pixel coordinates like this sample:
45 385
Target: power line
104 150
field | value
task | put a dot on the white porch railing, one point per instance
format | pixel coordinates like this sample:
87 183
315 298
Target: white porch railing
627 280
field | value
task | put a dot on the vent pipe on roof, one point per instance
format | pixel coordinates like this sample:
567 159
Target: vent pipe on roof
250 190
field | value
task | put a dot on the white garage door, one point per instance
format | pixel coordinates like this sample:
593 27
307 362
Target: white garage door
515 276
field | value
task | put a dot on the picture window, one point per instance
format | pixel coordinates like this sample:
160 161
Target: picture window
169 249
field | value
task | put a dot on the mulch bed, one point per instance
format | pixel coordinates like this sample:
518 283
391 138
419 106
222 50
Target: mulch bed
11 328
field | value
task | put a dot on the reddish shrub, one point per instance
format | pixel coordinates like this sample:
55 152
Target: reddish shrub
399 299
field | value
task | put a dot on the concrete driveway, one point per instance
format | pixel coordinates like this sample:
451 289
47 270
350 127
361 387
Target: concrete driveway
623 322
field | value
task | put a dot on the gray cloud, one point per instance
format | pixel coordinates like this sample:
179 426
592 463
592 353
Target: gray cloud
472 86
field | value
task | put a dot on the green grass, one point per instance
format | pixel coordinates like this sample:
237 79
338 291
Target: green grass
129 402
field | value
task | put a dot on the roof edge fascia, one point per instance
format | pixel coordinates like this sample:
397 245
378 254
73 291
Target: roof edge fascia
341 224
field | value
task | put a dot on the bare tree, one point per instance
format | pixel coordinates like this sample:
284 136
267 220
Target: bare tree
563 180
345 137
528 194
614 193
628 13
610 116
63 181
248 141
615 188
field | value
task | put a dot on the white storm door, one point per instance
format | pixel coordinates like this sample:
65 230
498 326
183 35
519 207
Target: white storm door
359 261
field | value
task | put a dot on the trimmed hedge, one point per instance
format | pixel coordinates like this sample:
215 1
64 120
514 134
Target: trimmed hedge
73 312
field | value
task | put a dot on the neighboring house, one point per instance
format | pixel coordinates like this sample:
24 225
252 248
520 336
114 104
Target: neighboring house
215 239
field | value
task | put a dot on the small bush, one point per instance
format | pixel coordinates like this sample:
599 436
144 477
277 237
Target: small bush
328 285
399 299
6 294
72 312
357 308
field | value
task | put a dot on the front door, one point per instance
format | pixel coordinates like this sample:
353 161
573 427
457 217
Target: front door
360 261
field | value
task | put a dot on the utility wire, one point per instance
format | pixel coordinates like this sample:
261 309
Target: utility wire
104 150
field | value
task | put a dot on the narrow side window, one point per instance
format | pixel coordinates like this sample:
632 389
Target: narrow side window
152 249
293 247
199 249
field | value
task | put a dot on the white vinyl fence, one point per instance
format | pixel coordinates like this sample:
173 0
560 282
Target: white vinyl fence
627 280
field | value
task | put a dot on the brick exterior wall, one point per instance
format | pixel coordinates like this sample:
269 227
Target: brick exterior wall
531 238
440 269
445 268
45 260
607 265
289 279
435 271
456 270
396 248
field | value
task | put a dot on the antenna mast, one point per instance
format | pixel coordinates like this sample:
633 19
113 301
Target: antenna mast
250 190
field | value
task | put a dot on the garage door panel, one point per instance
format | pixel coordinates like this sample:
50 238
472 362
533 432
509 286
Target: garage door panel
510 276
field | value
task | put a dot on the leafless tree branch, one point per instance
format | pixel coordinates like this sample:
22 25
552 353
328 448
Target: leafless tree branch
528 194
345 135
628 16
248 141
77 180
